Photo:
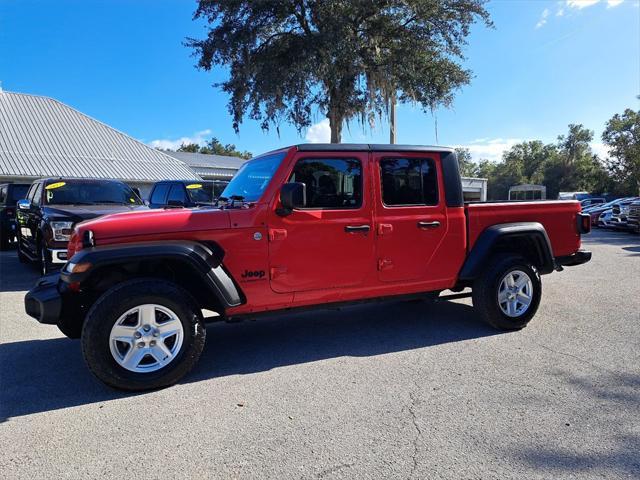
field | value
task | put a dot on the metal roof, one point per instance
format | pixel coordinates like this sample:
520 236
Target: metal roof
208 161
42 137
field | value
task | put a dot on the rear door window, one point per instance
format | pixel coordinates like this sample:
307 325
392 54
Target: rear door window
177 194
409 181
159 195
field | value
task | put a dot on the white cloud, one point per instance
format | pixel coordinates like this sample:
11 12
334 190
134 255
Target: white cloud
580 4
319 132
600 149
491 149
613 3
543 18
560 12
167 144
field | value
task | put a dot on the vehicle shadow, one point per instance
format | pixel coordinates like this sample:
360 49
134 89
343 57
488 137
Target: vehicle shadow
44 375
14 276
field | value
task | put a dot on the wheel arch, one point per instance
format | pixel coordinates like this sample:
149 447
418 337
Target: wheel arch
195 266
528 239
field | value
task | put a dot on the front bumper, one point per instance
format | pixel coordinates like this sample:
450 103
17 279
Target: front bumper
578 258
58 255
44 301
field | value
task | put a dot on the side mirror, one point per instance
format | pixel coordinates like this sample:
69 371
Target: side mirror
24 204
175 204
292 195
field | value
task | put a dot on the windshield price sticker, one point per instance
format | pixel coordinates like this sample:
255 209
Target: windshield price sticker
193 186
55 185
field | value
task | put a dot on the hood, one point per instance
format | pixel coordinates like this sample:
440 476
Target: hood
156 222
78 213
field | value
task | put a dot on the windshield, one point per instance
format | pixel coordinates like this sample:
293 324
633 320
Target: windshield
89 193
253 177
205 192
200 192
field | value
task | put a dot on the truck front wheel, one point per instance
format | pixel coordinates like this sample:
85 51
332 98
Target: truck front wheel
507 294
143 334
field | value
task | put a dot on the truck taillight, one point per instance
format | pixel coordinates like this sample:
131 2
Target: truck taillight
584 223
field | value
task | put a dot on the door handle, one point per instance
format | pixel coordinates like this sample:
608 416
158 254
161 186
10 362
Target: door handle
424 225
357 228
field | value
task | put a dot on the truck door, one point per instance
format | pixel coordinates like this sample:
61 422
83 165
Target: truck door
329 243
411 219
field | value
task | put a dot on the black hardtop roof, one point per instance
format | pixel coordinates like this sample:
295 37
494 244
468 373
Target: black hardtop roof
369 147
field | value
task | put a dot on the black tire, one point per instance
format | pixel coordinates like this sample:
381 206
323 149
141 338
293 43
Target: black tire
118 300
486 289
22 258
44 262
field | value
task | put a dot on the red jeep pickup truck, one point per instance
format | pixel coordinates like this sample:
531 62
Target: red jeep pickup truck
308 225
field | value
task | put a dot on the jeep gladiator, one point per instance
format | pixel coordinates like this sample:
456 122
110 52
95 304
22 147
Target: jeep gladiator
304 226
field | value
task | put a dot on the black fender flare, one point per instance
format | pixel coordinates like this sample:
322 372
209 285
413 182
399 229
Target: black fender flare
535 234
204 260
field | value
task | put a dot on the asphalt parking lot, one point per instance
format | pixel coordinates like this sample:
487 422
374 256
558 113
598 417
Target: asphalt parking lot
402 390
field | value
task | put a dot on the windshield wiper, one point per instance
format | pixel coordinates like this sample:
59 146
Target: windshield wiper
69 203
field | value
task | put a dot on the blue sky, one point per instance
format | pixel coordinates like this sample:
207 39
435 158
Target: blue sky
545 65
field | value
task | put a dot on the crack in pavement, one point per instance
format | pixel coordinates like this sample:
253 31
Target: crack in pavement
414 419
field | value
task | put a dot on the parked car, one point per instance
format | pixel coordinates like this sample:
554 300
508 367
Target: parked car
10 193
619 213
53 206
633 217
596 210
308 226
614 217
186 193
588 202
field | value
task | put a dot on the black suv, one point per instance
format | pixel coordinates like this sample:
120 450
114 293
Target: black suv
186 193
53 206
10 193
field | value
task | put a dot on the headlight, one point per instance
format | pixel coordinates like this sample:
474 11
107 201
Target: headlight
62 231
625 209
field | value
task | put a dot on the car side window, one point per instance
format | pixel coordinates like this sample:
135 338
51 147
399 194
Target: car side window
37 195
332 183
3 194
177 194
408 181
160 194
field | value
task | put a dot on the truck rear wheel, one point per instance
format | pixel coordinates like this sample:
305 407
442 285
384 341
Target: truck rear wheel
507 294
143 334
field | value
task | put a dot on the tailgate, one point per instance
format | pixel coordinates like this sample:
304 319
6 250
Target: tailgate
559 219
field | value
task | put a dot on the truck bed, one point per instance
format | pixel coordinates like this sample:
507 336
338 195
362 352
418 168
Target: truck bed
558 217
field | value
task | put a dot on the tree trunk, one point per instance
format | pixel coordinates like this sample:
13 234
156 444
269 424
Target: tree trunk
335 123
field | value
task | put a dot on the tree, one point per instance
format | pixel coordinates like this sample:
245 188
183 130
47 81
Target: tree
214 147
347 58
622 136
465 164
189 147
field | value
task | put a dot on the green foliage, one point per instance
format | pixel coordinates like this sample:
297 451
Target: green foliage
568 165
466 165
347 58
214 147
622 136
